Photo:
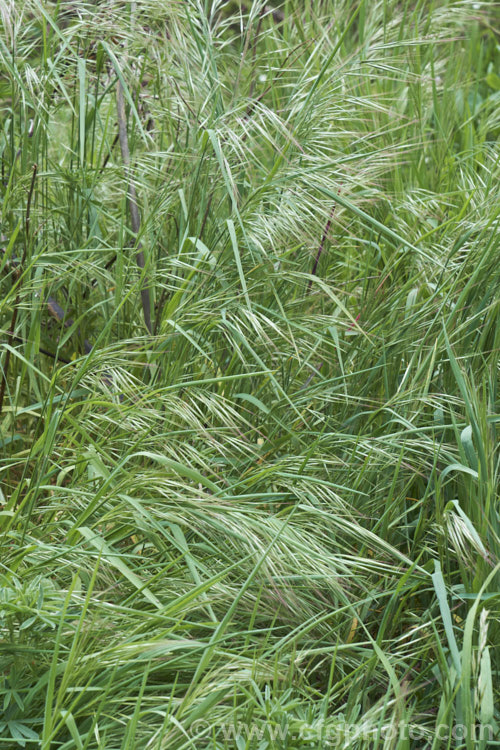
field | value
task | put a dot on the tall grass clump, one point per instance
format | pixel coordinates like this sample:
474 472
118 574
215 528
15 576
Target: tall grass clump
249 374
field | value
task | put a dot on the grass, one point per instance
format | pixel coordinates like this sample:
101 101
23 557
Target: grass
266 516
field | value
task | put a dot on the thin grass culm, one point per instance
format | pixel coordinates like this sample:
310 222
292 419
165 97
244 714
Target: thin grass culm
249 314
132 198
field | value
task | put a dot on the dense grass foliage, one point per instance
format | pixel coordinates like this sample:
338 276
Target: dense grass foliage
271 521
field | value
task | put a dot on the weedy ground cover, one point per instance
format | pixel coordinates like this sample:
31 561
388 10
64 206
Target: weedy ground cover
249 374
